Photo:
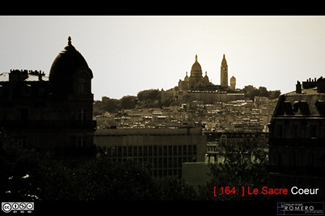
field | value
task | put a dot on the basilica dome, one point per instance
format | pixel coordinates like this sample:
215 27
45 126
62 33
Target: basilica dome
196 66
64 67
196 70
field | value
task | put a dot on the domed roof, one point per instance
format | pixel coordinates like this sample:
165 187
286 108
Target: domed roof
196 66
233 78
63 67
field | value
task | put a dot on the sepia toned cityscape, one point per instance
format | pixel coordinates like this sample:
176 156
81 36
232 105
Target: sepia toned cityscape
204 138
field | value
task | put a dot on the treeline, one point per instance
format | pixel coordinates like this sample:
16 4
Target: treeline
27 175
145 99
250 92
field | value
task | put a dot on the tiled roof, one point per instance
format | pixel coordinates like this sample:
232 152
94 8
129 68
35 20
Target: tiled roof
308 103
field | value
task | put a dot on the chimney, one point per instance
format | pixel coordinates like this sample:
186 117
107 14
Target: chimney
321 85
298 88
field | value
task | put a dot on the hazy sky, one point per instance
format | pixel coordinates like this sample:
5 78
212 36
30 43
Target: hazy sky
128 54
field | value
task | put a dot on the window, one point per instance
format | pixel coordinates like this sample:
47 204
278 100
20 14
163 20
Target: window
23 114
279 130
81 142
179 150
311 159
150 150
119 151
140 151
312 131
4 114
130 151
155 162
170 150
294 159
294 132
184 150
82 115
279 159
180 162
155 150
189 148
135 150
72 141
170 162
109 151
114 151
81 86
145 151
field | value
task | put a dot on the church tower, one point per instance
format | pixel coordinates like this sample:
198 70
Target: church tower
224 73
232 83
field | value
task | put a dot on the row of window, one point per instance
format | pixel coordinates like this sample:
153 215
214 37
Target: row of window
309 130
294 159
160 163
148 151
23 114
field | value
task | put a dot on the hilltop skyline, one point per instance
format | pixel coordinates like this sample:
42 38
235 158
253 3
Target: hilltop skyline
128 54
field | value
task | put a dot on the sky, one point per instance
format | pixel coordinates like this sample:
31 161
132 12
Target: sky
128 54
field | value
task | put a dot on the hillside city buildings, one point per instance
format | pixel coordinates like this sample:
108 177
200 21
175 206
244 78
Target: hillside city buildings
181 140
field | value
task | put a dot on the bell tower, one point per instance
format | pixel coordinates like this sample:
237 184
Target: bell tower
224 72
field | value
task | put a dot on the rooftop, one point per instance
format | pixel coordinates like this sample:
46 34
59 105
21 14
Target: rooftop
32 76
306 101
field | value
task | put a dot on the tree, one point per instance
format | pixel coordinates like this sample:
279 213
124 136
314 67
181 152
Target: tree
150 98
111 104
173 189
151 94
244 165
128 102
263 92
274 94
27 175
98 108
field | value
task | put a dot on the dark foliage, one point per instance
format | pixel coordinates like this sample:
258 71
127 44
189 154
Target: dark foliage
244 165
27 175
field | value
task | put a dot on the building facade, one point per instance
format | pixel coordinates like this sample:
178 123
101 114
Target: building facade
163 150
297 137
52 114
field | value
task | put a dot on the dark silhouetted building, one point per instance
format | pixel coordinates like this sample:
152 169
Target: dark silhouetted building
52 113
297 140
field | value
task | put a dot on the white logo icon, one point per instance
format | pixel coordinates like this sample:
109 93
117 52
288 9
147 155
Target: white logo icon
17 206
